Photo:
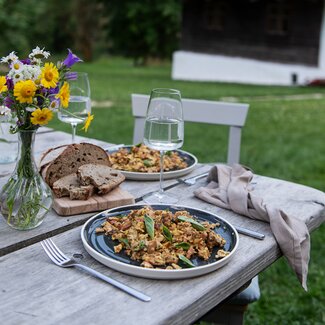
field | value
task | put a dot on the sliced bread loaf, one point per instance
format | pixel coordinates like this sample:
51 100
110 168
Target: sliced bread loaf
102 177
69 186
70 159
50 155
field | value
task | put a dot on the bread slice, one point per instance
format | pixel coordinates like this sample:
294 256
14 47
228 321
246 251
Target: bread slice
102 177
50 155
70 159
69 186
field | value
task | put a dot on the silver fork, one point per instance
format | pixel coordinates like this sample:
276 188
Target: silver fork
192 180
58 258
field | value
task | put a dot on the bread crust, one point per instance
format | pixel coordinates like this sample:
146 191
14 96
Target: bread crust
69 159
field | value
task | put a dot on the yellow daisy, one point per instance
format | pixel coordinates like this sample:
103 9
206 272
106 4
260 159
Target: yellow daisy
3 86
64 95
87 122
50 75
24 91
41 116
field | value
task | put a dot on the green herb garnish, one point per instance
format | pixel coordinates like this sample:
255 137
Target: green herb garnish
183 245
147 162
150 226
194 223
186 261
167 234
124 241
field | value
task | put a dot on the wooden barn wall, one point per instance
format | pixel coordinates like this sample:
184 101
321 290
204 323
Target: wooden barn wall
244 31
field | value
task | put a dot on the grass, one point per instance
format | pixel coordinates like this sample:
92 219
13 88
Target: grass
282 138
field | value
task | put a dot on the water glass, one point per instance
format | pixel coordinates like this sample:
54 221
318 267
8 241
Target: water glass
164 131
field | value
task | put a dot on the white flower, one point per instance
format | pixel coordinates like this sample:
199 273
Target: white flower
36 61
16 66
31 72
4 110
54 105
30 109
15 76
4 119
38 53
9 58
5 114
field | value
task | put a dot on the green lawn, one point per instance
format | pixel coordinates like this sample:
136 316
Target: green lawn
282 138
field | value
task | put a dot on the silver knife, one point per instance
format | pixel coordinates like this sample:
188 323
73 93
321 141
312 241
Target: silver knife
250 233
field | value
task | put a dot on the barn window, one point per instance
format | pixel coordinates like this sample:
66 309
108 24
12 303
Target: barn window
214 14
277 18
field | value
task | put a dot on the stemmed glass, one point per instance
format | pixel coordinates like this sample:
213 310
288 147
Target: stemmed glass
79 103
164 130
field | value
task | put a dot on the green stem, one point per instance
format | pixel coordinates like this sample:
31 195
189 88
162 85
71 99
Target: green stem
26 160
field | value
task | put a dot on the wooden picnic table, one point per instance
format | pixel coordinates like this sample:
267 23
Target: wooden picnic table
35 291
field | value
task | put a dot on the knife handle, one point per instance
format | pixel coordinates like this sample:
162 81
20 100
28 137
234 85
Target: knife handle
250 233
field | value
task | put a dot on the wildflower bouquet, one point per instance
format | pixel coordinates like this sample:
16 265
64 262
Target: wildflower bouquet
29 94
33 90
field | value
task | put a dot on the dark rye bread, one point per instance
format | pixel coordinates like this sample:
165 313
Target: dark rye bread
103 178
70 159
69 186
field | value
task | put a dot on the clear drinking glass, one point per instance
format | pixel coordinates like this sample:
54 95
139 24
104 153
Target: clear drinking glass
79 103
164 131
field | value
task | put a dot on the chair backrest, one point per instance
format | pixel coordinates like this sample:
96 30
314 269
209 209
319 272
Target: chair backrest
202 111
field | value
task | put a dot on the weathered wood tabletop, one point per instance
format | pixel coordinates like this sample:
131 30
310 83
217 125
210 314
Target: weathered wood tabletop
35 291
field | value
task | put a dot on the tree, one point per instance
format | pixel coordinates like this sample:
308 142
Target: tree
22 22
144 29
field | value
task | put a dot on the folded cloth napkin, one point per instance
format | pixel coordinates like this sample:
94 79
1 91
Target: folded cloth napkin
229 188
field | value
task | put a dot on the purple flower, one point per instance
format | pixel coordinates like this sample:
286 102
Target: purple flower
19 123
26 61
71 59
9 83
71 75
8 102
53 91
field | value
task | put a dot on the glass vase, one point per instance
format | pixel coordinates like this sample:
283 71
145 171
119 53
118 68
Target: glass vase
25 198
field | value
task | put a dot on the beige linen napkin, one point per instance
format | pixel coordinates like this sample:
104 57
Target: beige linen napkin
229 188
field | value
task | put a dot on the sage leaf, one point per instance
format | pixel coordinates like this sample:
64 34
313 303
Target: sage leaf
186 261
150 226
167 234
124 241
147 162
194 223
183 245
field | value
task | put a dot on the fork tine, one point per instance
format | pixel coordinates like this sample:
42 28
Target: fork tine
49 254
56 248
52 251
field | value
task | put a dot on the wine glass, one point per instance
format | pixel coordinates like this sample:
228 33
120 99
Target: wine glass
79 103
164 130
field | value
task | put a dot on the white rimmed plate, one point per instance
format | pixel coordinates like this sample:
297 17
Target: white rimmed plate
101 247
188 157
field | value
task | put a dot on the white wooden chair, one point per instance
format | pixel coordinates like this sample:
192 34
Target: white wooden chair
201 111
220 113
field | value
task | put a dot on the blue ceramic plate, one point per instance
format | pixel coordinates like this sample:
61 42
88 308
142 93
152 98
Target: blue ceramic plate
101 247
188 157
